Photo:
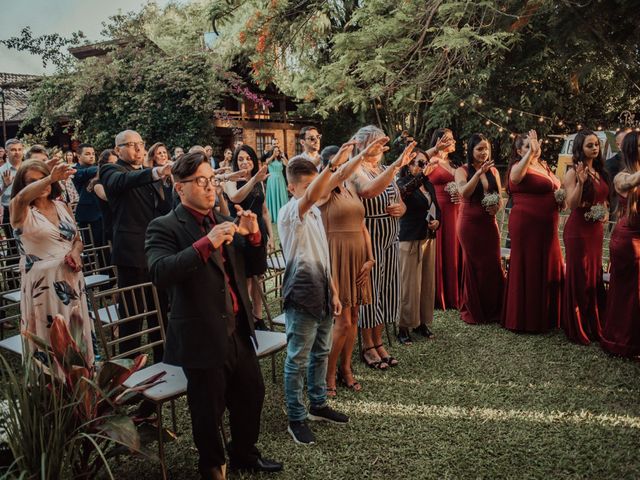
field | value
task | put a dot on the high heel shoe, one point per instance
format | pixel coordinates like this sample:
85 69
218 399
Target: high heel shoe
376 365
355 386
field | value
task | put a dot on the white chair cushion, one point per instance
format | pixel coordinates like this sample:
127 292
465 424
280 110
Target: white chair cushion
174 384
12 296
106 314
269 342
279 320
276 263
13 344
95 279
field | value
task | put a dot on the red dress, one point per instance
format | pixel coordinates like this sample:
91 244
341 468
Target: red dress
621 333
584 293
482 287
532 301
447 246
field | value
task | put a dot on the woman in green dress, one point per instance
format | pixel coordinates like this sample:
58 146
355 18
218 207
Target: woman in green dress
276 183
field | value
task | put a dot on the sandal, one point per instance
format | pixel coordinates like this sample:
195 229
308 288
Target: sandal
389 360
332 392
355 386
376 365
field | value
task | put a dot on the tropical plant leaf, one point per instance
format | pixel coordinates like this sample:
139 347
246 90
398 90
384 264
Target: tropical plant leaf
121 429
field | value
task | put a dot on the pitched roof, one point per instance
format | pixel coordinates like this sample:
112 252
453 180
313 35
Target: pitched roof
16 95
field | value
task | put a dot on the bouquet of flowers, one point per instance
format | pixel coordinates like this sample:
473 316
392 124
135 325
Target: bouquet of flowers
560 196
451 188
597 213
490 200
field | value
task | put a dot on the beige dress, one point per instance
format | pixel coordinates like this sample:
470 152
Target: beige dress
343 216
48 286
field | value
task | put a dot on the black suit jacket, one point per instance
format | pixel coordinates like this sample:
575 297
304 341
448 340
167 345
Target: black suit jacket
135 199
197 332
413 224
88 209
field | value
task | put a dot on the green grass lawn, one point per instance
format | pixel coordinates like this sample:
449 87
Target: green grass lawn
476 402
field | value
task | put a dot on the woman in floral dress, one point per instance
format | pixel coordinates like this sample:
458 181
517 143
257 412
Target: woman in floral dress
50 247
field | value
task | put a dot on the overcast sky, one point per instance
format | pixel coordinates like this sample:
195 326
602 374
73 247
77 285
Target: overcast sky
54 16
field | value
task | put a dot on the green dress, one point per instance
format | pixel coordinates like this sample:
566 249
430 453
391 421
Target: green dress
276 189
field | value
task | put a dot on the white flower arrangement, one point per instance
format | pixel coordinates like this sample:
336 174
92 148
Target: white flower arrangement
597 213
560 196
490 200
451 188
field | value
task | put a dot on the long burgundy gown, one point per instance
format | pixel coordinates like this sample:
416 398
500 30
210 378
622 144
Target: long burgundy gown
621 333
482 287
448 254
533 297
584 293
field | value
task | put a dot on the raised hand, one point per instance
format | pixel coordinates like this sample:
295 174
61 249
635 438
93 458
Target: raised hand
581 173
221 170
262 174
444 142
62 171
343 154
6 178
430 167
238 175
534 144
165 170
377 147
407 155
248 221
486 166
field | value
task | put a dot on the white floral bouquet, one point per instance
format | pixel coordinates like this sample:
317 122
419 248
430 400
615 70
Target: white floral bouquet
451 188
560 196
597 213
490 200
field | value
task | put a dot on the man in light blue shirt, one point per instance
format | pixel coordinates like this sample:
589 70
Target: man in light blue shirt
15 155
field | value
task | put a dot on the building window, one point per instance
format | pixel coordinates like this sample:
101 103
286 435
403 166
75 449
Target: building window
263 142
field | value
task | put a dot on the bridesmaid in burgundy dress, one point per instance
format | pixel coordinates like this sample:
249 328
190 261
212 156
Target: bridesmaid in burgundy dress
533 295
448 254
586 185
482 276
621 334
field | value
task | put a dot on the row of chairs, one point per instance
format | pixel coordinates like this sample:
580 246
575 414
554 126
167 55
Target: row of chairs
110 308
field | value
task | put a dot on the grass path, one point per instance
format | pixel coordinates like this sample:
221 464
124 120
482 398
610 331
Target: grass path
476 402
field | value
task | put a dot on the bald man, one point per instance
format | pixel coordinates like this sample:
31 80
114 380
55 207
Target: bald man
135 197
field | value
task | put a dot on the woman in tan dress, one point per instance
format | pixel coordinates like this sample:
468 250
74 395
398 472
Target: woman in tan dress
351 261
50 261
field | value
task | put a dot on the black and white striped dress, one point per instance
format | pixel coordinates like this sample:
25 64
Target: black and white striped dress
385 275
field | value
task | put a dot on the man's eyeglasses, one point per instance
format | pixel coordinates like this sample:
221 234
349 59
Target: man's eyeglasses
203 181
313 138
140 145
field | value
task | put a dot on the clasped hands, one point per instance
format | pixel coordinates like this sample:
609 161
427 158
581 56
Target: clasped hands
246 223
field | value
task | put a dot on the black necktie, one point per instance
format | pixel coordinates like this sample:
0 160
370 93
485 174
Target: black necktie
206 223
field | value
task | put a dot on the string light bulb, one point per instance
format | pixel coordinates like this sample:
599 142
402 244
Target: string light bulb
487 123
462 103
579 127
541 119
599 127
501 129
510 111
560 123
511 135
479 101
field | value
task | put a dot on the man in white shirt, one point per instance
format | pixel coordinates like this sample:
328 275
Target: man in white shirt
310 141
15 155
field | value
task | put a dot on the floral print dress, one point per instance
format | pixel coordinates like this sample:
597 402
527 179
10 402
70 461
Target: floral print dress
48 286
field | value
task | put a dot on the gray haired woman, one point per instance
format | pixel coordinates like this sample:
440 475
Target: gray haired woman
375 185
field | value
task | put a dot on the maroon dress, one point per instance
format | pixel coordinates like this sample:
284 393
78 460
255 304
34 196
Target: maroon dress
621 333
482 287
448 254
532 301
584 293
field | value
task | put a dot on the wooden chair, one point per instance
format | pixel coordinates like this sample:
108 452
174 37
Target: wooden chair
136 306
275 261
97 268
270 342
87 237
10 309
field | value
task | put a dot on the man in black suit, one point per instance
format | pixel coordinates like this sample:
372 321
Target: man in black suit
135 197
211 330
88 213
613 165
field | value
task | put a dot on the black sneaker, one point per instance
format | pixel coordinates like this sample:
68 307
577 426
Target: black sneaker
327 414
301 433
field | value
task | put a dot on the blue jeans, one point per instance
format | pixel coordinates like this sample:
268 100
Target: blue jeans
308 346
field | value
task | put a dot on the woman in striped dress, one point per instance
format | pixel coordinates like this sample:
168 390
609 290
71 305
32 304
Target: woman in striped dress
383 206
